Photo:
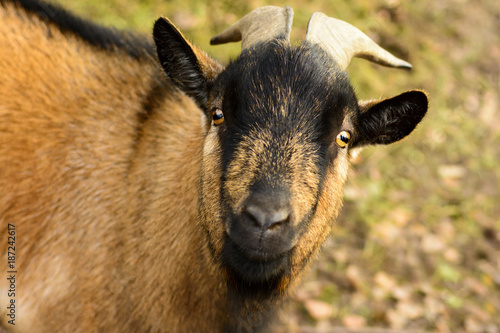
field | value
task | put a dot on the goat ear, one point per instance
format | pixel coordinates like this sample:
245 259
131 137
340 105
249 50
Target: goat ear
387 121
189 68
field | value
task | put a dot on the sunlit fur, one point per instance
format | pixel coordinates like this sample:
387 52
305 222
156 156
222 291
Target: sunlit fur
96 147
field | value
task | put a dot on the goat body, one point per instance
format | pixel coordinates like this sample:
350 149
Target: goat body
101 244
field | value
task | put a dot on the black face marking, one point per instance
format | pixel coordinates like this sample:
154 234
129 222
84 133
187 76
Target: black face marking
286 89
291 94
283 108
108 39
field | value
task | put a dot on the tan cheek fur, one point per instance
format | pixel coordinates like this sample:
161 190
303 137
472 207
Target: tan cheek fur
211 218
304 181
243 169
327 210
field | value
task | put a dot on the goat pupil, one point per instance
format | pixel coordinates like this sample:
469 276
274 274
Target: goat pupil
218 116
343 139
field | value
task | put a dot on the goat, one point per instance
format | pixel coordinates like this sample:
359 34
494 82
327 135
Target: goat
186 199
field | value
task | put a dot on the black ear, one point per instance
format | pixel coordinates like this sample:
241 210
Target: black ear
390 120
189 68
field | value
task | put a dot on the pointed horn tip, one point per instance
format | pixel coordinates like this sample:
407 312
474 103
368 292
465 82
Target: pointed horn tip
234 32
216 40
229 35
398 64
405 65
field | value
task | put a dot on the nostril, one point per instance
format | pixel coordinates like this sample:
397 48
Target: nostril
278 218
267 219
278 223
253 217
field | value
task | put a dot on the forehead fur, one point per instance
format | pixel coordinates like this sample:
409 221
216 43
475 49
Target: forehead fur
285 89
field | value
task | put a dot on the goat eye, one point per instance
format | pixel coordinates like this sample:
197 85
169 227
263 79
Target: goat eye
343 139
217 116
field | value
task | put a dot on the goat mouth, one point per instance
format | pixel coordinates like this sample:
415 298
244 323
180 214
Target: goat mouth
254 265
257 255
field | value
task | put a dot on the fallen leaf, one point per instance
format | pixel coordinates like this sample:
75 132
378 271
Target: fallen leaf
476 286
384 281
452 255
410 310
354 321
451 171
396 321
473 326
432 244
354 276
401 216
318 310
387 233
401 293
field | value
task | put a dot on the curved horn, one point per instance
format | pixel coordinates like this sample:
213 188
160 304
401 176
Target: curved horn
260 25
344 41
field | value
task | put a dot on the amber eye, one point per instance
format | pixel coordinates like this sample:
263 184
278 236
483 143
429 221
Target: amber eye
343 139
217 116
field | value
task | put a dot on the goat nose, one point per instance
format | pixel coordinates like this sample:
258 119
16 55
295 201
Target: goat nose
268 219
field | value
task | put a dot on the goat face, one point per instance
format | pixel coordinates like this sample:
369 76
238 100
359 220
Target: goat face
280 124
276 156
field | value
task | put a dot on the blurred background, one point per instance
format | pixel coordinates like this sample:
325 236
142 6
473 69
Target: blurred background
417 245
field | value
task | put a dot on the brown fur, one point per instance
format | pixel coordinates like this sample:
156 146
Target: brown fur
101 245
